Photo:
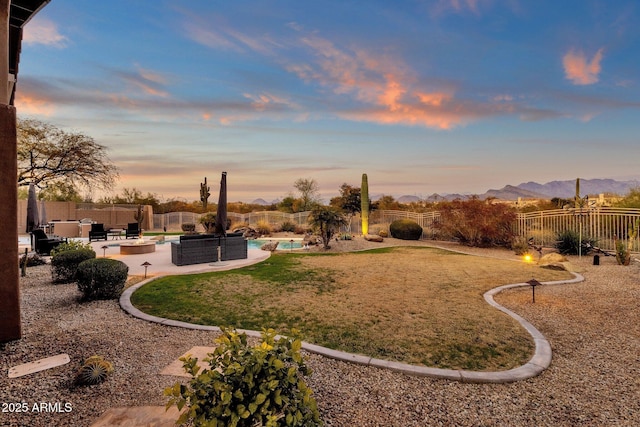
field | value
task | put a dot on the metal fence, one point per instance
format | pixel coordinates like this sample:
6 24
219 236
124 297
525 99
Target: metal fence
601 224
173 221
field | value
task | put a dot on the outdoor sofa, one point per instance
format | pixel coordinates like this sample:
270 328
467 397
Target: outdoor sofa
202 248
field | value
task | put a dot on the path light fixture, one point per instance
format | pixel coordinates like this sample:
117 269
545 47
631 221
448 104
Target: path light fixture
104 250
291 245
533 283
145 264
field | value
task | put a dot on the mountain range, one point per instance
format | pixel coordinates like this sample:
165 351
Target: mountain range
526 190
533 190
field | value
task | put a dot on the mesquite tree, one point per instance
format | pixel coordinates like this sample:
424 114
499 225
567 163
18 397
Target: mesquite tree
48 155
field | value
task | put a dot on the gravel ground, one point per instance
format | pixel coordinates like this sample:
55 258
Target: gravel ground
594 379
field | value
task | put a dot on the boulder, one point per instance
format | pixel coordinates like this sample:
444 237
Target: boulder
373 238
270 246
555 261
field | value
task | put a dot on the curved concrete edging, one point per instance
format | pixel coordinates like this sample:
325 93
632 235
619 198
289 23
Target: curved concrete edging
535 366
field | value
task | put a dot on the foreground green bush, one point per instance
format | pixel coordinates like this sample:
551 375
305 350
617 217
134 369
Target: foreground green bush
101 278
405 229
64 263
247 386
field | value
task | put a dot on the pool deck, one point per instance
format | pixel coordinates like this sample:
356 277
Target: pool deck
160 260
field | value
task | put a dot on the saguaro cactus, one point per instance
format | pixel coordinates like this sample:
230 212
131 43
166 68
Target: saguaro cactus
364 204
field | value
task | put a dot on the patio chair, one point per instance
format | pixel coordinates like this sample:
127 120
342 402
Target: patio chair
132 230
97 232
44 244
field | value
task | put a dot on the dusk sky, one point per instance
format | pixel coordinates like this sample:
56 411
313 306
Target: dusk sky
442 96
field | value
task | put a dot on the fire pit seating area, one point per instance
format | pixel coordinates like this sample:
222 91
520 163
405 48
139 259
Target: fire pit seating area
201 248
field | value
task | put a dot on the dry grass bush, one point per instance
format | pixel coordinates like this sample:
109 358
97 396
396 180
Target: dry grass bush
264 228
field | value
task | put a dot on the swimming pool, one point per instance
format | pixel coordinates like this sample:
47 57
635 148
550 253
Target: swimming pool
283 245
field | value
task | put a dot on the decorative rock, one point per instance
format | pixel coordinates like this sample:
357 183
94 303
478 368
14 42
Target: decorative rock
555 261
552 258
270 246
373 238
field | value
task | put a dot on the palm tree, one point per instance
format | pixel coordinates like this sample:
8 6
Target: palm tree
326 221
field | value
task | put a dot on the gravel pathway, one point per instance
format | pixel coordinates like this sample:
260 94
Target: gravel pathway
594 379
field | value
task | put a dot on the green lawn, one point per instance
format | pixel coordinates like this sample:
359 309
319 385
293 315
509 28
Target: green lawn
411 304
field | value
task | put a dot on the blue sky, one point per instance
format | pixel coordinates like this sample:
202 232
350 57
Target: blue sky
426 97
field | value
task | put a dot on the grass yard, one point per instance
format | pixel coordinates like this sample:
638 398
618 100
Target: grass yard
410 304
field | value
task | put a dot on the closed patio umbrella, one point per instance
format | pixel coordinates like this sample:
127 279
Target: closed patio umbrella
43 214
221 214
33 220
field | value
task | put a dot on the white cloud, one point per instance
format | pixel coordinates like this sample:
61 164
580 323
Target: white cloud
45 32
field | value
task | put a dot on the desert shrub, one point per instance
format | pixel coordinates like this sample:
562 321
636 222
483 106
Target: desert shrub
247 386
288 226
568 243
476 222
32 260
238 226
64 264
188 227
300 229
520 245
405 229
623 249
101 278
264 228
346 236
208 221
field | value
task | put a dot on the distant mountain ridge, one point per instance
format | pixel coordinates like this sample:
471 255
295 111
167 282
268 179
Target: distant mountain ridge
533 190
567 189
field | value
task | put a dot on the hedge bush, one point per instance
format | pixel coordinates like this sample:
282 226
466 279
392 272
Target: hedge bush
101 278
64 264
405 229
247 386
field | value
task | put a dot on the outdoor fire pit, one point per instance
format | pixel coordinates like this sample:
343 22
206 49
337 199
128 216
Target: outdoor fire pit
137 247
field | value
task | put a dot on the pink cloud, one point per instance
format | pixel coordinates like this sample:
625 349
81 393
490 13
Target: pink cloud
387 88
32 104
45 32
579 69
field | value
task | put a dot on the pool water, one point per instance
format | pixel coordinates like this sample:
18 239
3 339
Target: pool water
282 246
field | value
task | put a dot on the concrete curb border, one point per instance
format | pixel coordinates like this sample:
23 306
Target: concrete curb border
535 366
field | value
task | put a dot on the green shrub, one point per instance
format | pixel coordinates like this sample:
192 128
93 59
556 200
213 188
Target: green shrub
208 221
64 264
288 226
101 278
188 227
247 386
568 243
71 245
405 229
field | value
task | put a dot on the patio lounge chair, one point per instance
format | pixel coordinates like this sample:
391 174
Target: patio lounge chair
132 230
97 232
44 244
